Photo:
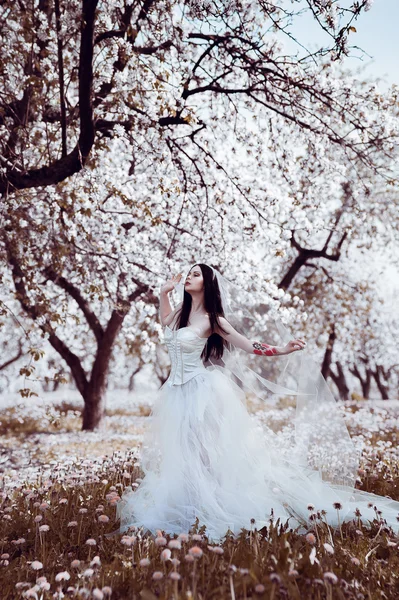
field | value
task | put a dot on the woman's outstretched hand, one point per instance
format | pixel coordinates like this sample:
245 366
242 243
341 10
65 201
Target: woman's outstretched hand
171 283
294 346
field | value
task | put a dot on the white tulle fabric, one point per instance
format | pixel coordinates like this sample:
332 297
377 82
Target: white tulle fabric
204 456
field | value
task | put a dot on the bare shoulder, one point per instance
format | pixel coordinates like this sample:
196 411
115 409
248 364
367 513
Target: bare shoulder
224 324
223 321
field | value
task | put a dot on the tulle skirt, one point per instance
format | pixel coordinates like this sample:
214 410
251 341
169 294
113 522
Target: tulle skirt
204 456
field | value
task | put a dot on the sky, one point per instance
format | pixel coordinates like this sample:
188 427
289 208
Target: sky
377 35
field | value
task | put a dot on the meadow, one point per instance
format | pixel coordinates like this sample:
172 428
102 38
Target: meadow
60 487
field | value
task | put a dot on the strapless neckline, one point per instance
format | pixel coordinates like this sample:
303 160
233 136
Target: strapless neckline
189 329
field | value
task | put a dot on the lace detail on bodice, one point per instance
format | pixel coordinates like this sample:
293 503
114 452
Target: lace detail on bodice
185 349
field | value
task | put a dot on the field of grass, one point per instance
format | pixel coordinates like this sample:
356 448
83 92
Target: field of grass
60 487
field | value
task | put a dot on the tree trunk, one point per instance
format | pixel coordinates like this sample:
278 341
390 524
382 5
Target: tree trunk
94 407
365 382
94 393
340 381
383 389
325 370
133 375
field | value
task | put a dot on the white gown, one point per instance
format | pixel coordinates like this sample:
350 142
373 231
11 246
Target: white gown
204 456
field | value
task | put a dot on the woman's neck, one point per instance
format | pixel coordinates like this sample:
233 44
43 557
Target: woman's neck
197 303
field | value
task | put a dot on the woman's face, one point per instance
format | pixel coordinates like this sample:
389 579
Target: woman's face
194 281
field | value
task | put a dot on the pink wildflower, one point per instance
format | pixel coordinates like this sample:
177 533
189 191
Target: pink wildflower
160 541
166 554
103 519
328 548
75 564
195 551
72 524
330 577
145 562
91 542
62 576
310 538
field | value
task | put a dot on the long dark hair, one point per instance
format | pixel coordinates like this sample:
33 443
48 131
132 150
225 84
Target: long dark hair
213 306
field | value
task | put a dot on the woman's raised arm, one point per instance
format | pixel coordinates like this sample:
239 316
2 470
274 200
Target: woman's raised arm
232 336
166 313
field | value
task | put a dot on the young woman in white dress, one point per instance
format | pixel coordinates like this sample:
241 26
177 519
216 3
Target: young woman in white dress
203 455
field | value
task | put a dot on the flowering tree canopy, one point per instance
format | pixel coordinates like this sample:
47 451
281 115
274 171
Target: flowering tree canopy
140 137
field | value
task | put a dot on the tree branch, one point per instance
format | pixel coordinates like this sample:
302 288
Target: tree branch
73 291
75 160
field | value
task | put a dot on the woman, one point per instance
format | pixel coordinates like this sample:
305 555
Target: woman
204 456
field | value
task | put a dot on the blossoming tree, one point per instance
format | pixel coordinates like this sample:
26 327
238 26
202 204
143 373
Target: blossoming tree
136 136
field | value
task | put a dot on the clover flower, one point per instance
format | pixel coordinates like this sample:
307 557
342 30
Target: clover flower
75 564
189 558
330 577
103 519
328 548
160 541
166 554
195 551
62 576
128 540
311 538
72 524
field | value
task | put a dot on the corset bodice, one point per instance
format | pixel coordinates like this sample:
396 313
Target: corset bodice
185 349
